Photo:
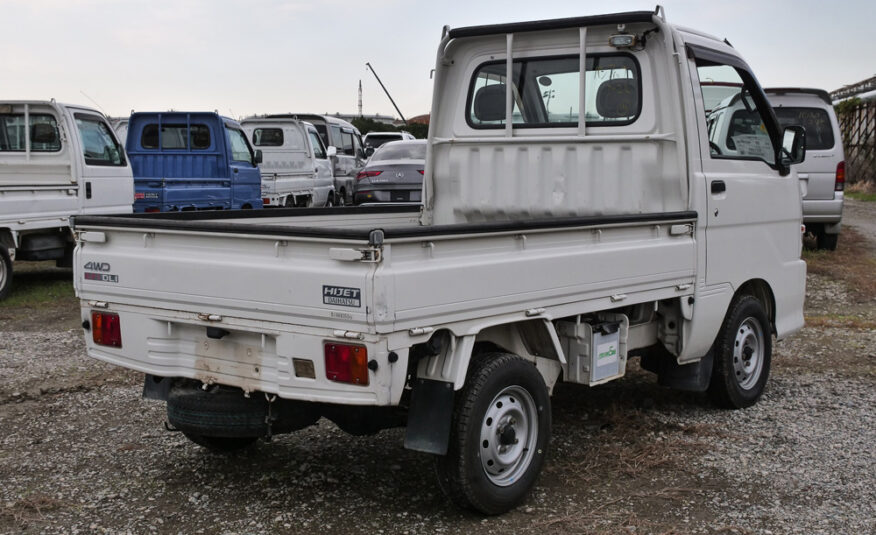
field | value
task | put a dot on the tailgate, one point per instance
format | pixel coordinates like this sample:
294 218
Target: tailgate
270 278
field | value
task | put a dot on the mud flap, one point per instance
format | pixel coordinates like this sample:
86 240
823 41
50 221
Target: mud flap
156 387
429 417
692 377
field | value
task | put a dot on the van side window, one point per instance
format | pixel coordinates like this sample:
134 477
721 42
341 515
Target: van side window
99 145
240 151
318 149
267 137
546 92
736 126
173 137
43 133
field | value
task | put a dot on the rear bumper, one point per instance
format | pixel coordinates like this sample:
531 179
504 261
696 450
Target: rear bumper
823 211
253 356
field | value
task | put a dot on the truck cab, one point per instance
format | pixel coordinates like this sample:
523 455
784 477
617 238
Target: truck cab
296 167
191 161
56 161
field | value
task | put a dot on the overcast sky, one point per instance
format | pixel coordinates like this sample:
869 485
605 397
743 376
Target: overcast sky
272 56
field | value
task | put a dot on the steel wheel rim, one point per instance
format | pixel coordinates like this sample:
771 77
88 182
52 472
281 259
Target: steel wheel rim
748 353
509 433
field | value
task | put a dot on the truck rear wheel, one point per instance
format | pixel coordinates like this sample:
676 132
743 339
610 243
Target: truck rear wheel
5 272
499 435
742 355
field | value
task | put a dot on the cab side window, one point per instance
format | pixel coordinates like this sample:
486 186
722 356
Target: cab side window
736 124
318 149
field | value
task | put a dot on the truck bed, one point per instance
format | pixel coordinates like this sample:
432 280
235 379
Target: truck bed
283 281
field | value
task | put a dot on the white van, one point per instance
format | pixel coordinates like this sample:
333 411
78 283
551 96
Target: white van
56 160
824 171
349 155
373 140
296 167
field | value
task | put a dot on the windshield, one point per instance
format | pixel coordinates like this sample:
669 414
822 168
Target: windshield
401 151
379 139
816 122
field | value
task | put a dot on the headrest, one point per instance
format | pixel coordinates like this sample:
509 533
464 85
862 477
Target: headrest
489 103
617 98
43 133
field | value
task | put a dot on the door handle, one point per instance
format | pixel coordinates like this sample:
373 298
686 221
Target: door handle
718 186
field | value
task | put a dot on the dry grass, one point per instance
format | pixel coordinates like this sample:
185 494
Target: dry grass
840 321
31 508
850 263
862 191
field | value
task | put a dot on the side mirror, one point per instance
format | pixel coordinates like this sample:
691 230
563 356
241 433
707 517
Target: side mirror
331 152
369 151
793 146
258 157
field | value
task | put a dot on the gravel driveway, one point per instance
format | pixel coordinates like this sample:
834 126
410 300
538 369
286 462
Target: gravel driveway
80 452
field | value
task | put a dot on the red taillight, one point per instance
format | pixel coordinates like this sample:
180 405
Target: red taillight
840 183
346 363
106 329
152 210
266 201
420 171
367 174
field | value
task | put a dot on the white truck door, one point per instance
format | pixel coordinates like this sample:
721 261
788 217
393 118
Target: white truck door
106 184
753 213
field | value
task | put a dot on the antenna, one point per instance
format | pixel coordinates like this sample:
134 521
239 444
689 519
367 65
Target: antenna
387 92
93 102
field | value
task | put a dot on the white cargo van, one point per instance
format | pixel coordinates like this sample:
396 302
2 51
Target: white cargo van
56 160
296 167
562 233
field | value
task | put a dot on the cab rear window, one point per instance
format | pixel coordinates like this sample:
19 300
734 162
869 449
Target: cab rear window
816 122
267 137
176 137
545 92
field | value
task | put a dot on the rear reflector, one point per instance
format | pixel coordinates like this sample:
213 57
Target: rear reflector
106 329
840 183
346 363
266 201
152 210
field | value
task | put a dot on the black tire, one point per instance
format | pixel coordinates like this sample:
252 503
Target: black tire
825 241
5 272
742 355
221 444
462 473
222 413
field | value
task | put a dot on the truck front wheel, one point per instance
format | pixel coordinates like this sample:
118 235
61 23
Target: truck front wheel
499 434
5 272
742 354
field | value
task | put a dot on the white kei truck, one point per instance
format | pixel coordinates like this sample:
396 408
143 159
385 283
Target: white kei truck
574 217
296 167
56 161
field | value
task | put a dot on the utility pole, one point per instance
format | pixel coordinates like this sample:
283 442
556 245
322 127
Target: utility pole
387 92
360 98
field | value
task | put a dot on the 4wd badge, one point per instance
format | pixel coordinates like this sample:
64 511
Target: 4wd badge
339 295
103 267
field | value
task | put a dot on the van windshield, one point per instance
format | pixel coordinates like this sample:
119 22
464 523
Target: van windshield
816 122
379 139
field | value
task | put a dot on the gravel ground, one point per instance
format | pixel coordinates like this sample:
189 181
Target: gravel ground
81 452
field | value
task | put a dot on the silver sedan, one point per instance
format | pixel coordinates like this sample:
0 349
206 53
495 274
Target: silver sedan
393 174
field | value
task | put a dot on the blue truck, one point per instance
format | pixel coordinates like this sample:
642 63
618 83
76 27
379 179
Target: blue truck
191 161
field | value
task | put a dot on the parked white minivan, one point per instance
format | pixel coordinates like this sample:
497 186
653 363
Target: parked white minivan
735 130
296 167
824 170
56 161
